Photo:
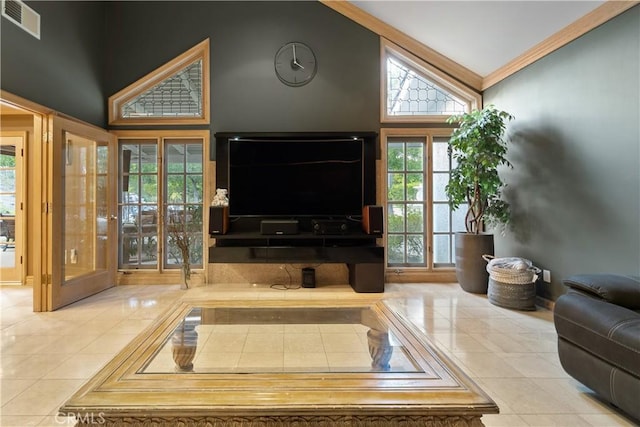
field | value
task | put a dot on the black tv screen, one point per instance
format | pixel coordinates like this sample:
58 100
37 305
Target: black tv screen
292 178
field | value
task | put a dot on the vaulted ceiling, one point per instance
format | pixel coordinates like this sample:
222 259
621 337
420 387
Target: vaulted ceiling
487 40
480 35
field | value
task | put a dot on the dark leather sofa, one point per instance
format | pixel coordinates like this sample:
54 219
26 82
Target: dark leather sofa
598 325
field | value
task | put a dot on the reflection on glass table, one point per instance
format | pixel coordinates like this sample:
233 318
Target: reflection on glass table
263 340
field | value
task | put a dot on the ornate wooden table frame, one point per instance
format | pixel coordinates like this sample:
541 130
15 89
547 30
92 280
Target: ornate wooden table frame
122 394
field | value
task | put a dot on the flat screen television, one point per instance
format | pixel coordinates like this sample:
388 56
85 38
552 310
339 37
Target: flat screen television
297 177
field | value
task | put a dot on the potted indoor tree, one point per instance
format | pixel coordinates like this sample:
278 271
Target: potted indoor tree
478 148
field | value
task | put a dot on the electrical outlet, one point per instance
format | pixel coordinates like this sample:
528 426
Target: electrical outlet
546 276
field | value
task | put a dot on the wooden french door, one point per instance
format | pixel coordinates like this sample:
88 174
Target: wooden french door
80 212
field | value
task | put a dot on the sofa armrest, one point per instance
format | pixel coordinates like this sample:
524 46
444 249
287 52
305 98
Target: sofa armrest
608 331
614 288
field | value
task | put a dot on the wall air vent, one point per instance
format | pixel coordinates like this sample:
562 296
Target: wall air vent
22 15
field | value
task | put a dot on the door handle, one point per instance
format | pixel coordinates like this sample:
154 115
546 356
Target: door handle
113 217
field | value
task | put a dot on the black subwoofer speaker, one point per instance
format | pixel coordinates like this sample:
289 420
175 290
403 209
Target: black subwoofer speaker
308 277
372 219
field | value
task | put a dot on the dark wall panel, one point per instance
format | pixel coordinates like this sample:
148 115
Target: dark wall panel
575 186
246 95
63 70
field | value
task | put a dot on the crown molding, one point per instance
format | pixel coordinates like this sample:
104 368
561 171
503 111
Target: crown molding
452 68
588 22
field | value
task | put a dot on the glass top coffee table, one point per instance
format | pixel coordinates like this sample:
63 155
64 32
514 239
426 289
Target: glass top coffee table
280 363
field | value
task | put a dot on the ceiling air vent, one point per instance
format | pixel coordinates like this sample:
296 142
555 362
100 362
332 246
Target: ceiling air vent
22 15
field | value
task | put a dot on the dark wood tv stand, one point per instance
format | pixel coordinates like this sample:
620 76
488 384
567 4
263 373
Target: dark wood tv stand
359 251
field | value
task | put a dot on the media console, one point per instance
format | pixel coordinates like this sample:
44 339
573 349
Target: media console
298 198
359 251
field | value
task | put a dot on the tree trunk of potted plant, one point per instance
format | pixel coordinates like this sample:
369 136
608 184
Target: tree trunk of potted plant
478 149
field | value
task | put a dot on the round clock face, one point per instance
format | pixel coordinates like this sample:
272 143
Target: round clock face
295 64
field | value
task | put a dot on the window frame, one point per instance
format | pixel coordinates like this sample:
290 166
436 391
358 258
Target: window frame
431 73
429 271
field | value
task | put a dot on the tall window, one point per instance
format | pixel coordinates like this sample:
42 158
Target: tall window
420 223
162 186
446 222
161 182
184 197
405 201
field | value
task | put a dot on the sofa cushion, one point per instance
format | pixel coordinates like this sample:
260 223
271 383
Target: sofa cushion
605 330
615 288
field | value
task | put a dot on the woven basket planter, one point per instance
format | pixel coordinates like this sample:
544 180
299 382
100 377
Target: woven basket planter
511 295
512 282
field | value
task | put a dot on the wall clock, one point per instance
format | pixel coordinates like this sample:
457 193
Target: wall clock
295 64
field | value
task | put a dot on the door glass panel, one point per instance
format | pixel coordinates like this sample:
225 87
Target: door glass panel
102 207
406 189
415 249
440 217
415 156
84 216
138 204
395 249
440 181
395 156
396 187
415 186
7 206
415 218
184 190
442 249
395 218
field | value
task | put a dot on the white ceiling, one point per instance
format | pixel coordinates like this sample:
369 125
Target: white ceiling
481 35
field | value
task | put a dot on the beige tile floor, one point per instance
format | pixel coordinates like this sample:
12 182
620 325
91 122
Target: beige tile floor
46 357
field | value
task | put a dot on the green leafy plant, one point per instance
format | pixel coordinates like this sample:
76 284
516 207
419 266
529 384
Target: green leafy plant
478 149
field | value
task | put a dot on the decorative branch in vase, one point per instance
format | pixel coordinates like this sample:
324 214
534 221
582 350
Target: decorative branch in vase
183 229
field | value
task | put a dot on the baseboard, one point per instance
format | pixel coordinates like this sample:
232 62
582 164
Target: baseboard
545 303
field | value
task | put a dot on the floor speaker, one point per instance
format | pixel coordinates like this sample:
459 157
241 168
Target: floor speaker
218 219
308 277
372 219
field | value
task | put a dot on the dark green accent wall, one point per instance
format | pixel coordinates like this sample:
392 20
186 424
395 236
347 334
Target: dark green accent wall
64 70
91 50
575 185
246 95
